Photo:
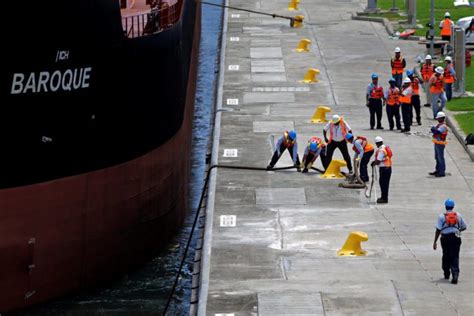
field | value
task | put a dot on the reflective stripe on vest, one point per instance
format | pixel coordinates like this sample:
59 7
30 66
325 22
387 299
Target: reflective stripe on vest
393 96
440 139
387 161
376 93
427 71
397 66
415 85
405 98
446 29
332 130
287 142
448 78
438 86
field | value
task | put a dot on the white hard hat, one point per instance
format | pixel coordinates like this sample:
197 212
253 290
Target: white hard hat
397 49
448 58
336 118
428 57
406 80
378 139
440 115
439 70
447 15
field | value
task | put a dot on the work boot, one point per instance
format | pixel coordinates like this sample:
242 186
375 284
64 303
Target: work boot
427 104
419 122
439 175
305 170
433 173
269 167
380 127
454 280
298 169
382 201
446 276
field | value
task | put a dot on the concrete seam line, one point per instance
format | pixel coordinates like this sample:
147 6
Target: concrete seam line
206 252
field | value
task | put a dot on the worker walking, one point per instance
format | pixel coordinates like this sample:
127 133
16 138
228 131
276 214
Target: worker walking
287 141
338 129
405 101
449 77
398 65
427 70
383 159
374 99
450 225
415 97
445 27
440 133
313 150
392 99
363 152
437 91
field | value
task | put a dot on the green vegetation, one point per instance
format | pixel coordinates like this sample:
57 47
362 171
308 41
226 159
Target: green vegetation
466 121
461 104
470 78
423 12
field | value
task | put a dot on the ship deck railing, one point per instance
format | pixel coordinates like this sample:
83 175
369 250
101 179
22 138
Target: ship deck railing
155 20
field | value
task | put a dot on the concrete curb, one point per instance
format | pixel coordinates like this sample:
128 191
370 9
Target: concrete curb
457 131
384 21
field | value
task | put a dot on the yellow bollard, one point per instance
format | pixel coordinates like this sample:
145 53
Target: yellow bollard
303 45
352 245
319 115
310 76
297 21
334 170
293 5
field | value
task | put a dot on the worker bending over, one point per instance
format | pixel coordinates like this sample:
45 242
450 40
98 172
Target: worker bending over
287 141
363 151
313 150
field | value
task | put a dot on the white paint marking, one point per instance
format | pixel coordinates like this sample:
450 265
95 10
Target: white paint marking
230 153
234 67
235 16
228 220
232 101
235 39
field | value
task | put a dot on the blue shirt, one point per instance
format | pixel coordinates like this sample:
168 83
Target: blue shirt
360 149
292 149
445 229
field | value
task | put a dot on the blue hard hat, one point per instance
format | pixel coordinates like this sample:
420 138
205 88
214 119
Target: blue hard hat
375 76
449 203
409 72
313 146
349 136
292 134
392 80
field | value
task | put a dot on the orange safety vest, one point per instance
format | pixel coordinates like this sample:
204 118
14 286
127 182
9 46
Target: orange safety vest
393 96
440 139
405 98
386 160
377 92
332 129
397 66
415 85
287 142
427 71
447 77
446 29
364 143
451 219
438 86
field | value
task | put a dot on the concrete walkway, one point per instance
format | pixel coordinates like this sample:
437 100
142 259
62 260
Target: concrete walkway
280 257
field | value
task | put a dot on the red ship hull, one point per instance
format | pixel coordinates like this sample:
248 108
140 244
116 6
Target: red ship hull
68 234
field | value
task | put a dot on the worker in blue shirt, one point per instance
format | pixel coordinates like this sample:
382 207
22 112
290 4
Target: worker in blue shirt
440 134
449 226
374 101
312 151
287 141
363 151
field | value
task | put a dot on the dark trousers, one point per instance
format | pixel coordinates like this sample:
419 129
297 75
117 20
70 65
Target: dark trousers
448 88
364 175
398 80
323 157
451 245
439 157
342 145
375 108
384 181
310 158
407 114
394 111
276 157
446 37
415 101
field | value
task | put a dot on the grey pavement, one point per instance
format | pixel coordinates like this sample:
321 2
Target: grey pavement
271 237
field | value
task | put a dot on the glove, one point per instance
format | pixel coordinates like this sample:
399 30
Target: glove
357 159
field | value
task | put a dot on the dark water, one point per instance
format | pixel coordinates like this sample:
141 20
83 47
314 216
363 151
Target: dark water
146 291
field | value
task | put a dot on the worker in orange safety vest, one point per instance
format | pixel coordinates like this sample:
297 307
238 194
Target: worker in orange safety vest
415 97
398 65
445 27
440 134
437 91
427 69
449 77
337 128
374 101
392 102
363 152
405 104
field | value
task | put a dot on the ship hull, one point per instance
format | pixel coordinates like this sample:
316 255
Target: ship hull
74 232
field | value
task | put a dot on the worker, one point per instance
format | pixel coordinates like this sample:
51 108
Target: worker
363 152
437 91
415 97
440 133
392 100
445 27
405 104
449 77
338 129
383 159
450 225
312 151
398 65
427 70
374 99
287 141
